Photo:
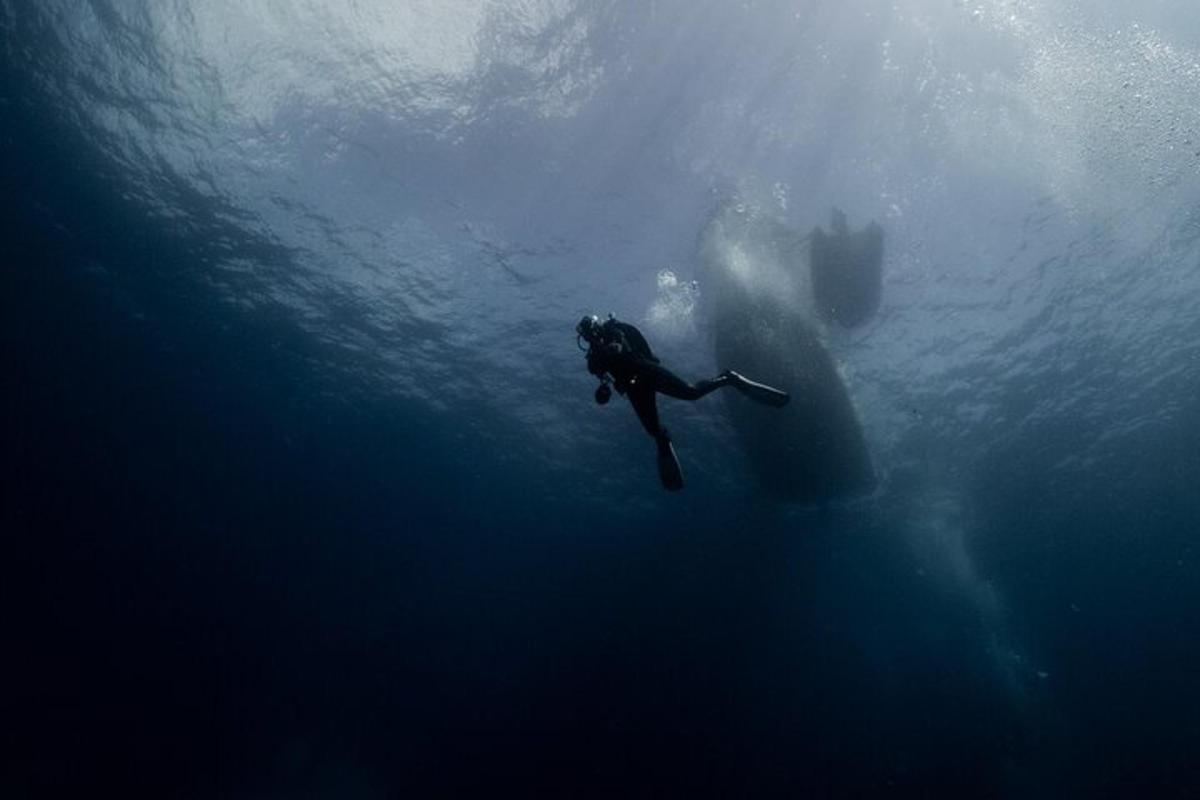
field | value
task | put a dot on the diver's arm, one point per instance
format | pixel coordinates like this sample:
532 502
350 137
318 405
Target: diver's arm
633 341
598 361
606 352
615 344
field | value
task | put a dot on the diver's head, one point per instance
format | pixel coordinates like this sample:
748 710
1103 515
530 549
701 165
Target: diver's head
603 394
588 329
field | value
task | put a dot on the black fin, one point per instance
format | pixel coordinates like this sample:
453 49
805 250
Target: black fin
669 470
760 392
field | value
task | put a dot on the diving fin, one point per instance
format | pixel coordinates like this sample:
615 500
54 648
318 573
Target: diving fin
669 470
760 392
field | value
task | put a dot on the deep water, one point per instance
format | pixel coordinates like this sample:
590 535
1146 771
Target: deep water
305 494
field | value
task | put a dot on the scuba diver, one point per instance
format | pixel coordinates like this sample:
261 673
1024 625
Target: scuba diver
617 353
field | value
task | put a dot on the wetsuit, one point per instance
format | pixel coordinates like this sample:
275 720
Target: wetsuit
621 353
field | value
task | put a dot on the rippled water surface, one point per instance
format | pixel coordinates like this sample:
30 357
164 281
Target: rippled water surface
307 495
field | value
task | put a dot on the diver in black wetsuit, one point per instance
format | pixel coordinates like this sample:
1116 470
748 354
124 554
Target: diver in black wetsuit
617 353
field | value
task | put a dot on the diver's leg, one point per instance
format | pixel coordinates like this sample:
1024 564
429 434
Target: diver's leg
646 405
670 384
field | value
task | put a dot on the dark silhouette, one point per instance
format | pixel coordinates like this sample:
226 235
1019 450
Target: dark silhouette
847 271
617 353
813 451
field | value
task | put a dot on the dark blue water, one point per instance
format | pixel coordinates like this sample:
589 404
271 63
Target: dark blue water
305 494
